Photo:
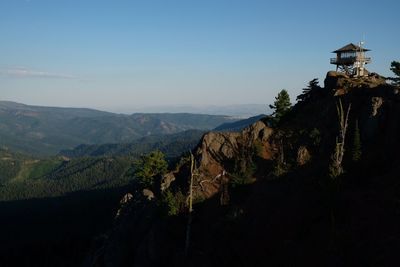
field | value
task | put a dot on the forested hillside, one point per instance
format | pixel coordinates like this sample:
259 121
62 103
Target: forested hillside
172 145
56 177
239 125
47 130
87 167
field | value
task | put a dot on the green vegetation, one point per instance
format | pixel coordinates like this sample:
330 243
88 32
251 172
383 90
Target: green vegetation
54 177
172 204
281 105
91 167
44 131
245 166
395 68
172 145
150 167
244 176
309 91
45 167
10 165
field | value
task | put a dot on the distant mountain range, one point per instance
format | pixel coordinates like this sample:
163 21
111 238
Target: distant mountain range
48 130
172 145
238 110
88 166
238 125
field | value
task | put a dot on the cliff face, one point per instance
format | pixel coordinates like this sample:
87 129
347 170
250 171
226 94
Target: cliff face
301 216
374 106
142 236
216 156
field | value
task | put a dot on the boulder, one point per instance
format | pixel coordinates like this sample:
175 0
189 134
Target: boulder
148 194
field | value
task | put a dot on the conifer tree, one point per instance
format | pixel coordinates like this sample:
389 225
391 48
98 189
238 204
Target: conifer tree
149 166
395 67
281 105
308 91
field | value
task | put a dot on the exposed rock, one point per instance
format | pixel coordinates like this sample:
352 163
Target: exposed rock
215 156
340 82
336 74
376 104
123 203
269 220
126 198
148 194
218 152
166 181
335 79
340 91
303 156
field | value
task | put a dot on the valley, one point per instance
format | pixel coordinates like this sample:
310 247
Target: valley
209 133
46 131
48 192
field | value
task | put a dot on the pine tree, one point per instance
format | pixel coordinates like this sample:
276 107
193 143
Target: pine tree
148 167
308 91
281 105
395 67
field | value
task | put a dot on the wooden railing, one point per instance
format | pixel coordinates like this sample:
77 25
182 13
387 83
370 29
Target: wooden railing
348 60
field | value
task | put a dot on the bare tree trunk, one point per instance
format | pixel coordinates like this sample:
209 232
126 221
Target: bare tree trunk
337 157
189 222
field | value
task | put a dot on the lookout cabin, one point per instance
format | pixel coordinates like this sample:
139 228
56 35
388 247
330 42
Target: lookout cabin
351 60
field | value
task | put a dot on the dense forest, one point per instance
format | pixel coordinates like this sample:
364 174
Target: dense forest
59 204
171 145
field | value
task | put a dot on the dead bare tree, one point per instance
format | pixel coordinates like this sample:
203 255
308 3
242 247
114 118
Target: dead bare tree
336 168
189 222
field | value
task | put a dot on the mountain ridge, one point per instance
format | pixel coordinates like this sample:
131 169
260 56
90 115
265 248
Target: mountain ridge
239 125
47 130
172 145
268 195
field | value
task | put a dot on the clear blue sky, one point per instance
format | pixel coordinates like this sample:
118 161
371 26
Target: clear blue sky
119 53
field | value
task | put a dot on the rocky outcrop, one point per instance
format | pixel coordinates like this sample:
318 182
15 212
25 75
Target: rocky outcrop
376 104
303 156
343 83
140 236
218 152
269 220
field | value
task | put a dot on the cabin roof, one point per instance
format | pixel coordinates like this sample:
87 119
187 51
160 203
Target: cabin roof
350 48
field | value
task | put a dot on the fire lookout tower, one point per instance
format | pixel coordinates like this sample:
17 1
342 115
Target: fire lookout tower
351 60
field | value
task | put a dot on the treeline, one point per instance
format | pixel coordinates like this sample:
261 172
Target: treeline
66 177
171 145
87 167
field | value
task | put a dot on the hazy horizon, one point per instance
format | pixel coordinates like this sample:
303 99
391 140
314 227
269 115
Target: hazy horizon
238 110
128 54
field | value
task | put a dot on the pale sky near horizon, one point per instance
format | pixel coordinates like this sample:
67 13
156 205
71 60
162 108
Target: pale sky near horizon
119 53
